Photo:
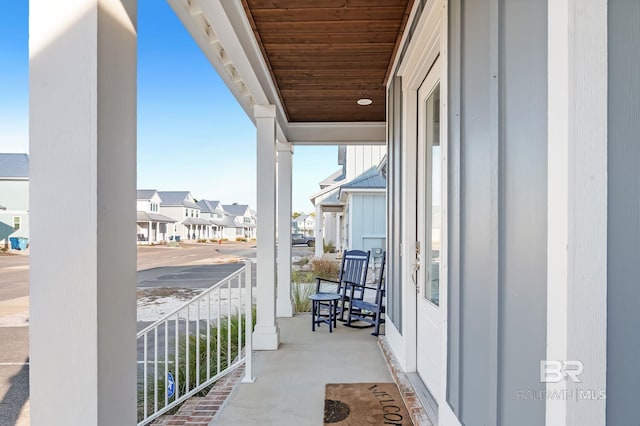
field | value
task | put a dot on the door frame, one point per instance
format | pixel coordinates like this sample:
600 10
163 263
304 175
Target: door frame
429 41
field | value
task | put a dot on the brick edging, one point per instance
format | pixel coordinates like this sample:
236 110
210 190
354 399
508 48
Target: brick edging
200 411
414 406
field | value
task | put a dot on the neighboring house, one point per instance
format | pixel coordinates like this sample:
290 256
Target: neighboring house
334 211
304 224
215 214
240 222
14 196
181 206
152 227
365 211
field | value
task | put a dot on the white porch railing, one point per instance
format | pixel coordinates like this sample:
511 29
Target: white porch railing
195 345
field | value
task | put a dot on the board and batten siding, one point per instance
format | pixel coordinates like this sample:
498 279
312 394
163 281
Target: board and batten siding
367 221
623 245
498 210
394 201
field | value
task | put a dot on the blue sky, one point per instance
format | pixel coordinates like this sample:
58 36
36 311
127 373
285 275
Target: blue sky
192 134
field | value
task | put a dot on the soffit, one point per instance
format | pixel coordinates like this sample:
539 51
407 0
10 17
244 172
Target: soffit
324 55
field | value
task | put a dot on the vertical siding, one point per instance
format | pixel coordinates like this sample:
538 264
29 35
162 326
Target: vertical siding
623 292
523 220
368 222
394 197
497 219
361 158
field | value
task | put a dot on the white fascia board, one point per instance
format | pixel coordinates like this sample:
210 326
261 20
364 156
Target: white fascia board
233 51
347 133
344 192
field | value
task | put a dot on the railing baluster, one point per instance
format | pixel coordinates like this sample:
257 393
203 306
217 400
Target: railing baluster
218 339
239 315
198 345
166 362
144 367
186 356
208 336
155 369
229 324
176 365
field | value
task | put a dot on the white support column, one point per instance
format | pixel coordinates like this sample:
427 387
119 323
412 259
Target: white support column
266 334
577 210
319 231
149 232
284 305
82 127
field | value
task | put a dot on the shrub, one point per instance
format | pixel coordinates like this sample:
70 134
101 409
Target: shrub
202 240
241 239
325 267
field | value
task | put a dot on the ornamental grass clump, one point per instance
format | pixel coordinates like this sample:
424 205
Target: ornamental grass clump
325 268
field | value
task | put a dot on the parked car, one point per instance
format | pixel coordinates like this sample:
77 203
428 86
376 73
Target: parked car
302 239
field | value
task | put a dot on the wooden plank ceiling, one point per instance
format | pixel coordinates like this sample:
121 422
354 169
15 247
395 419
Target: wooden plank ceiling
324 55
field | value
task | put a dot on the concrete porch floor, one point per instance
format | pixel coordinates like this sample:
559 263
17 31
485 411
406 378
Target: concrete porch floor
289 389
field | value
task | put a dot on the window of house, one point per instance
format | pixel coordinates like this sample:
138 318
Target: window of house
186 212
16 222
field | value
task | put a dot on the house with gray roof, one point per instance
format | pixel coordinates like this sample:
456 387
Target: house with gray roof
240 223
152 227
212 211
14 197
182 207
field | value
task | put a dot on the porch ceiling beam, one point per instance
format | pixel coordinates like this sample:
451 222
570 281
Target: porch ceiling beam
337 133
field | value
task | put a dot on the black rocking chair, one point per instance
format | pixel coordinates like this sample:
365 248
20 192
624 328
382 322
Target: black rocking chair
353 270
368 311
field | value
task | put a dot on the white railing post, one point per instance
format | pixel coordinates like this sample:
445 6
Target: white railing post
248 317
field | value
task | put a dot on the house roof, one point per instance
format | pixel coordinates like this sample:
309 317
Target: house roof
208 206
146 194
14 166
371 179
195 221
336 176
153 217
235 209
177 198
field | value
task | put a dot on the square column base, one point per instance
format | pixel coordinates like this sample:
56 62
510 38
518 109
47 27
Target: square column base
266 338
284 308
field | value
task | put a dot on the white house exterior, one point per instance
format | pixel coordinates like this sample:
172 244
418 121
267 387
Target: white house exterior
305 224
239 222
365 211
512 200
180 206
215 214
333 210
14 196
152 227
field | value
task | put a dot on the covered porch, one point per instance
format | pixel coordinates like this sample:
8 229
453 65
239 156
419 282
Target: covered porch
290 389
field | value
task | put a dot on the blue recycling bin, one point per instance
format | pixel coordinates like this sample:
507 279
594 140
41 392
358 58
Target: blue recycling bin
14 243
22 243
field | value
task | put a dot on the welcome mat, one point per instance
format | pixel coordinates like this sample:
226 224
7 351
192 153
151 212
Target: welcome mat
359 404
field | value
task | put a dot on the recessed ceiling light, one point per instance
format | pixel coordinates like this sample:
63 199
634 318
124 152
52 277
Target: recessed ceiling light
365 101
